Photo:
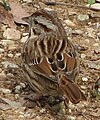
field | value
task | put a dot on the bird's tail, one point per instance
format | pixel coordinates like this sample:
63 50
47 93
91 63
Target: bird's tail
71 90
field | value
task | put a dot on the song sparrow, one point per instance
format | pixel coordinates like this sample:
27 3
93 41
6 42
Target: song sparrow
50 61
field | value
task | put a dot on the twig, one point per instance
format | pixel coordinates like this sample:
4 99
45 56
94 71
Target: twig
85 117
67 4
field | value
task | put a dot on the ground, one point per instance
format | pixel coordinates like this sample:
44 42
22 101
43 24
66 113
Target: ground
85 35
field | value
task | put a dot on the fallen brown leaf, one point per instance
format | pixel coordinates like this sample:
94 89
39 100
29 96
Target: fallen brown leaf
6 17
18 12
9 104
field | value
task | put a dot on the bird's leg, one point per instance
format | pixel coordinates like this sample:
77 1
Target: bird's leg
33 98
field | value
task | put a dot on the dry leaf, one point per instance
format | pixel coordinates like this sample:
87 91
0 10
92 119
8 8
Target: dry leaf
18 12
6 17
9 104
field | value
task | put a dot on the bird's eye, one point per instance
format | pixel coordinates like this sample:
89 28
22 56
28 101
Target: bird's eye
35 22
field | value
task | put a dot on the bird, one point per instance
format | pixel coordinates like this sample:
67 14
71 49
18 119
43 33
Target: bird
49 59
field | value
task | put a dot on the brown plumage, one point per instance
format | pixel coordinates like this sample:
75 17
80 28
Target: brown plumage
50 62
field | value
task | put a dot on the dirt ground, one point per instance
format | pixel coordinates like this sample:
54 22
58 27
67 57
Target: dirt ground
85 35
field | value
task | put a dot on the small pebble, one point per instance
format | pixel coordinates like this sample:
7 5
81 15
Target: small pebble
85 79
27 1
17 55
22 113
10 44
70 110
18 89
3 76
79 32
83 56
4 27
99 90
69 23
83 17
33 114
72 13
26 115
7 64
42 110
71 106
5 91
14 47
12 34
95 6
17 96
83 87
2 57
22 85
87 40
1 50
0 70
71 118
80 105
98 0
10 55
21 116
38 118
7 42
98 34
90 32
96 45
10 75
